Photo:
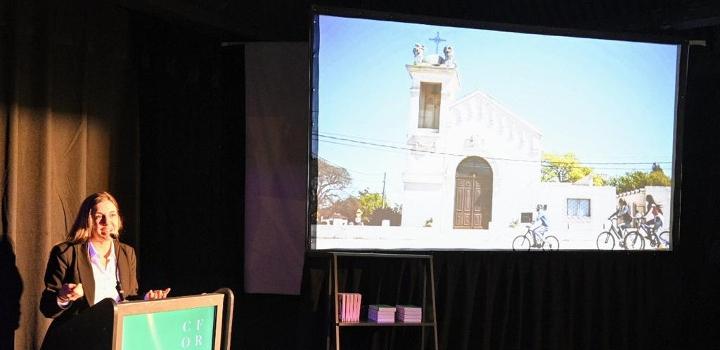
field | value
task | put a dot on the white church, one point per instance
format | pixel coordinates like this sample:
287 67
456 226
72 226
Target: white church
474 165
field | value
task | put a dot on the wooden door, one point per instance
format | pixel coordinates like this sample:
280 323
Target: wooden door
468 203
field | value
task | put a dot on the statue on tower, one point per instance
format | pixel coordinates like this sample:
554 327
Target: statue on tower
449 59
419 53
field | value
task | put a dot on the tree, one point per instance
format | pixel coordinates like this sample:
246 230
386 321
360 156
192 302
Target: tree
598 180
630 181
369 202
346 207
638 179
393 214
657 177
330 180
564 168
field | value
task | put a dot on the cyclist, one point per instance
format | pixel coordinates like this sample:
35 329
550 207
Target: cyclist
540 224
656 221
623 214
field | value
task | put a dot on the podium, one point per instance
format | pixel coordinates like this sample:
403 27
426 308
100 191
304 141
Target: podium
198 322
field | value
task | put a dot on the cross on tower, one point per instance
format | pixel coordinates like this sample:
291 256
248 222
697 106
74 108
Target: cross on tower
437 41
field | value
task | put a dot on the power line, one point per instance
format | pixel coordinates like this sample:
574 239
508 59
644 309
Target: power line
405 148
348 169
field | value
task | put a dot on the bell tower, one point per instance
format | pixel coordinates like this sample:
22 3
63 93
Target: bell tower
434 82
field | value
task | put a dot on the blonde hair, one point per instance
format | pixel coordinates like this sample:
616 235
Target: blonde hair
84 224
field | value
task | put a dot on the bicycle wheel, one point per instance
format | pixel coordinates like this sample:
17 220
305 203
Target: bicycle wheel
605 241
665 239
634 241
551 243
654 241
521 243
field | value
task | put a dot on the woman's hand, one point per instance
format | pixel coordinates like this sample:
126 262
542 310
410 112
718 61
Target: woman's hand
70 292
157 294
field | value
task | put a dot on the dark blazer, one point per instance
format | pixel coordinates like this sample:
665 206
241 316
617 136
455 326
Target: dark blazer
70 263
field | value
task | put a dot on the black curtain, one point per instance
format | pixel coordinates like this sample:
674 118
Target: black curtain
190 107
699 253
501 300
67 129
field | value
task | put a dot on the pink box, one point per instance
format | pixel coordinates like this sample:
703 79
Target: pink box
349 307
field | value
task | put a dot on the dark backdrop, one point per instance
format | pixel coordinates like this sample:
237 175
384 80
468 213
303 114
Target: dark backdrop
171 98
567 300
191 133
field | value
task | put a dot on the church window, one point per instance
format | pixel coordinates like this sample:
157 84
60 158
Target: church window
578 207
429 117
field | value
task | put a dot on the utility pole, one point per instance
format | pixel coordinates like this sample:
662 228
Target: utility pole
383 193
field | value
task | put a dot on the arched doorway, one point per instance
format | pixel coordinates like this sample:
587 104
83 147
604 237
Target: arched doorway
473 194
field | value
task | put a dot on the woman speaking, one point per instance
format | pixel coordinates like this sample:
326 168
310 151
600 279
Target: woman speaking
90 265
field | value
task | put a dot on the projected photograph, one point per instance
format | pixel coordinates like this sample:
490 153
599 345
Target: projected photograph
441 137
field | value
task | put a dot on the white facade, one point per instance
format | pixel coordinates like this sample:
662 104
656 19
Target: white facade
476 125
602 200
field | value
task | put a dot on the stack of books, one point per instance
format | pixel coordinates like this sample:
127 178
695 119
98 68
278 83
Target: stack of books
349 307
381 313
409 314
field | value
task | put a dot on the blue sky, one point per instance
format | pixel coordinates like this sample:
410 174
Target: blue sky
606 101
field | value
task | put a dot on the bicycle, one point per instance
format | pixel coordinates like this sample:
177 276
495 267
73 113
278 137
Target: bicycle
531 239
635 240
606 239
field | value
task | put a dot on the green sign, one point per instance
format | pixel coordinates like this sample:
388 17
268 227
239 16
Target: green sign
181 329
